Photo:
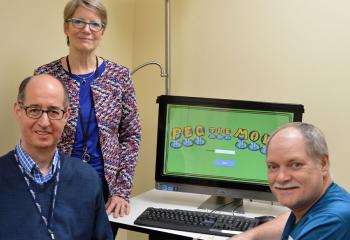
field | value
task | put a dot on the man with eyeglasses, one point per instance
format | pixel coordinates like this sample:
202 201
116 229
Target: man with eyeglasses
39 185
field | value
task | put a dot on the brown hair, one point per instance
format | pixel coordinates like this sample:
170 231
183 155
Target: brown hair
24 83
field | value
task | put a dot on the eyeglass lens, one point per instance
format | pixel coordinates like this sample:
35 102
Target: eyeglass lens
53 114
80 23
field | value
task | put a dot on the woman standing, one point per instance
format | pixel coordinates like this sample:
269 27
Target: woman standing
104 128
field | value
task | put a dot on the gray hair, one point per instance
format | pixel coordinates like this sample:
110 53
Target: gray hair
24 83
315 142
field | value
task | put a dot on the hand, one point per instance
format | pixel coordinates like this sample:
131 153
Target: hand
242 236
118 206
271 230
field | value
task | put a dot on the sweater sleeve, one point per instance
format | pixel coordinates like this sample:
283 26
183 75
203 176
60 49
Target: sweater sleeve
102 228
129 140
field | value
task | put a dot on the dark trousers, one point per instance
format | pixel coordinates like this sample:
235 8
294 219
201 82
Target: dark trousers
105 195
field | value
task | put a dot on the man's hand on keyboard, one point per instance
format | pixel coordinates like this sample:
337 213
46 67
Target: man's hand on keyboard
271 230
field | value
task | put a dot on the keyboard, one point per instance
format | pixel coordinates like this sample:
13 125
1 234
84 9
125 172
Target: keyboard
196 221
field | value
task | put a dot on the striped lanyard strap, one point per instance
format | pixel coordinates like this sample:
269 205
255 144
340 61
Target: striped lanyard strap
47 222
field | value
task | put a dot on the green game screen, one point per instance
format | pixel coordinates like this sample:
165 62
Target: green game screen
219 143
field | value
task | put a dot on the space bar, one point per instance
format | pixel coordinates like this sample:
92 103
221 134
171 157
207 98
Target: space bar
222 231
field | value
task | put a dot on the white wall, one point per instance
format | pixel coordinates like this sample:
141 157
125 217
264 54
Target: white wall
281 51
291 51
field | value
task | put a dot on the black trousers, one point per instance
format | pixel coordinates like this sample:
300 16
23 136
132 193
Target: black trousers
105 196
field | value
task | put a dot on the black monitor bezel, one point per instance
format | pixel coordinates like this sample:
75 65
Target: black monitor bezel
164 100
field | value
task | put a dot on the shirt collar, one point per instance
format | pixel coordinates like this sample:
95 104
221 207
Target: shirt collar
28 163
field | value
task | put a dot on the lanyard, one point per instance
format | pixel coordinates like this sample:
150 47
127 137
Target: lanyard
47 222
85 156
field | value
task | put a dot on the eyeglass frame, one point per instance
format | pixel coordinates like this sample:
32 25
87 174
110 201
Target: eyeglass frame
47 111
73 22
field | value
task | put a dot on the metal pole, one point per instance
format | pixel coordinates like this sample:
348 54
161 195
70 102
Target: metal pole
167 48
165 73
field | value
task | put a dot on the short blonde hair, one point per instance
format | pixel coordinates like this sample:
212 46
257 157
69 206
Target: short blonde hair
94 5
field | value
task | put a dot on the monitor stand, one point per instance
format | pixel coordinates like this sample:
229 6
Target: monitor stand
223 204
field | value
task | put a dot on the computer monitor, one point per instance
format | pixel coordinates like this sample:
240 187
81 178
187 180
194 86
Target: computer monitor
217 146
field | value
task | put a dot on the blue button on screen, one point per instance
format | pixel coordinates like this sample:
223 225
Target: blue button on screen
225 163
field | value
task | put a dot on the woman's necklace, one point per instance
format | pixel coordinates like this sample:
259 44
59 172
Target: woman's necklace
83 79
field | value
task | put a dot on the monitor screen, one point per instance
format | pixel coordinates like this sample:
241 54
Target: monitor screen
217 146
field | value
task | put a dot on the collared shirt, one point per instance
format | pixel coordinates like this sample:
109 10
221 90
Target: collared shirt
32 169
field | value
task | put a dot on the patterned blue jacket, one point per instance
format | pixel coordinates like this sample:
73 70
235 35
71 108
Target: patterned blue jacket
117 119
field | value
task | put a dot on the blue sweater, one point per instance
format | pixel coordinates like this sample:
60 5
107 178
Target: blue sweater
79 211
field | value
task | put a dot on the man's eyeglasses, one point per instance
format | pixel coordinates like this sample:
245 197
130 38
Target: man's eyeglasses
81 23
36 112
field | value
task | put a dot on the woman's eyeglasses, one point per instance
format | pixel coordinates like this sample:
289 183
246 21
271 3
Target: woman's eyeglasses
81 23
